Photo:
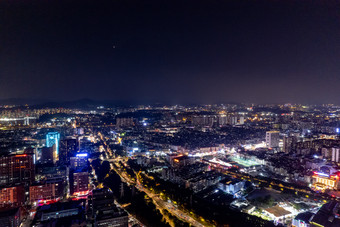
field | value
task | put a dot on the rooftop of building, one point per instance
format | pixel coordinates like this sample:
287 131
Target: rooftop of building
230 181
278 211
62 221
60 206
305 216
110 212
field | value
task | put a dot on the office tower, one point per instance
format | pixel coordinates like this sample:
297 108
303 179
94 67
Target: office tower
79 161
47 155
272 139
16 169
53 138
79 182
66 150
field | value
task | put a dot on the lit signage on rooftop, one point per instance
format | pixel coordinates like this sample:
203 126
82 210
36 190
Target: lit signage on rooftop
82 155
321 174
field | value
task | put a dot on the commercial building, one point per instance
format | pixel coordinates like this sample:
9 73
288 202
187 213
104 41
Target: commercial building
324 181
79 182
53 138
80 161
46 191
70 213
68 147
51 172
12 196
112 217
16 169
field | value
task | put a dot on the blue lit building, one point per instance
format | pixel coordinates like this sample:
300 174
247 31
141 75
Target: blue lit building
53 138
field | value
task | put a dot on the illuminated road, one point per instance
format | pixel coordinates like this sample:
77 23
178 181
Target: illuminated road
169 206
133 217
307 193
160 204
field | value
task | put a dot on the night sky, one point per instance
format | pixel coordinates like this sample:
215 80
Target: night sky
171 51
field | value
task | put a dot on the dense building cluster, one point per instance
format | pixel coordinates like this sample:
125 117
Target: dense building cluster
274 164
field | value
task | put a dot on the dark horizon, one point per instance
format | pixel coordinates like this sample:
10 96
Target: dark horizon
89 102
171 51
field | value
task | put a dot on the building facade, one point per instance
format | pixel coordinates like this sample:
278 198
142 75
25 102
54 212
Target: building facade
16 169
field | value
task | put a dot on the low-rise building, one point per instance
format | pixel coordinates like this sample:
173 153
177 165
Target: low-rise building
46 191
231 186
302 220
12 196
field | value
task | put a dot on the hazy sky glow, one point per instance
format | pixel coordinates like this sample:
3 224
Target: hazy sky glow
192 51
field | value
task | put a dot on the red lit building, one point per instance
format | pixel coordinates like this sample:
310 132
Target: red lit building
47 191
12 196
16 169
79 183
324 181
182 160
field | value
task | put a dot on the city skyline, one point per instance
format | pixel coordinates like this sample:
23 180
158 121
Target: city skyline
169 113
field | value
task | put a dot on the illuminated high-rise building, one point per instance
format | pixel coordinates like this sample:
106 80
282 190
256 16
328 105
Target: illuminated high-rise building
79 182
47 155
16 169
67 148
272 139
79 161
53 138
